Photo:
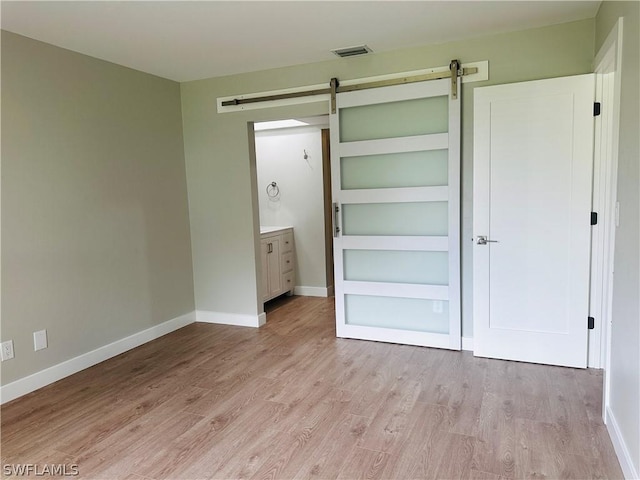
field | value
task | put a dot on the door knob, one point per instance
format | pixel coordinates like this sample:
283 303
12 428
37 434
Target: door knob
482 240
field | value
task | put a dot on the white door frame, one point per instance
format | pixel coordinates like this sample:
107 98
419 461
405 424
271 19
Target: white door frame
607 66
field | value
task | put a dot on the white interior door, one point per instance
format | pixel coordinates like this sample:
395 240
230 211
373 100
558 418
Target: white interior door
533 157
395 180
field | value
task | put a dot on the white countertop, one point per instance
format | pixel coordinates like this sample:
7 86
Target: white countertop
272 229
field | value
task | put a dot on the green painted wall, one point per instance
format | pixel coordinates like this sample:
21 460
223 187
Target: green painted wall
624 369
95 225
217 151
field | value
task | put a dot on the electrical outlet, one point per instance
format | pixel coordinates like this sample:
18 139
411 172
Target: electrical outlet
39 340
6 349
438 306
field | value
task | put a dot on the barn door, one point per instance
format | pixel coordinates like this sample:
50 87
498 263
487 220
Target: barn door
395 180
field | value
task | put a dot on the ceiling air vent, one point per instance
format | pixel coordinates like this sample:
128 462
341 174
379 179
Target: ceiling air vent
352 51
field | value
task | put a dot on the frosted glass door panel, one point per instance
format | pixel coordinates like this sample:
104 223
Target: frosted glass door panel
421 116
407 219
415 314
393 266
428 168
395 164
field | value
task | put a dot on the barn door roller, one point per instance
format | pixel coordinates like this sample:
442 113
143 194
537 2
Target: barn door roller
454 72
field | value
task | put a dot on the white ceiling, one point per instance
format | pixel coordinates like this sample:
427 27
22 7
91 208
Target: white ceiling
183 40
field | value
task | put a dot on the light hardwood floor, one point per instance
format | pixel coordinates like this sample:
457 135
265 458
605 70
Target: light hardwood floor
290 400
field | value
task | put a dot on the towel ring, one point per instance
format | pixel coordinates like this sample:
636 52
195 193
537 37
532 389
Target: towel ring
273 190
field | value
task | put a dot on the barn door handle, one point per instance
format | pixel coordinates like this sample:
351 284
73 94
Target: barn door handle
336 217
482 240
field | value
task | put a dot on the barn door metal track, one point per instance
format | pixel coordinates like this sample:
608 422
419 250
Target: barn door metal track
455 71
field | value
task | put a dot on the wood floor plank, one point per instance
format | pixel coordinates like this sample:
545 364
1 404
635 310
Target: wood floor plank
178 453
214 402
327 461
129 445
429 423
373 382
363 464
197 441
290 400
449 457
303 441
328 406
236 438
581 468
93 429
294 372
589 383
496 435
479 475
440 377
253 451
537 455
466 393
343 371
607 456
457 461
305 424
570 414
524 384
85 420
391 425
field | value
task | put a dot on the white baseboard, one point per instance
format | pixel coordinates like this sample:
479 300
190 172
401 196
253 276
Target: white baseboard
50 375
467 344
624 456
311 291
237 319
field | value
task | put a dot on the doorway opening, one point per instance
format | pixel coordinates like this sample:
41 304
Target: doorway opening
293 191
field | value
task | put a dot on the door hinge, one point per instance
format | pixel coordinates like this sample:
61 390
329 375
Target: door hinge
591 323
594 218
596 109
